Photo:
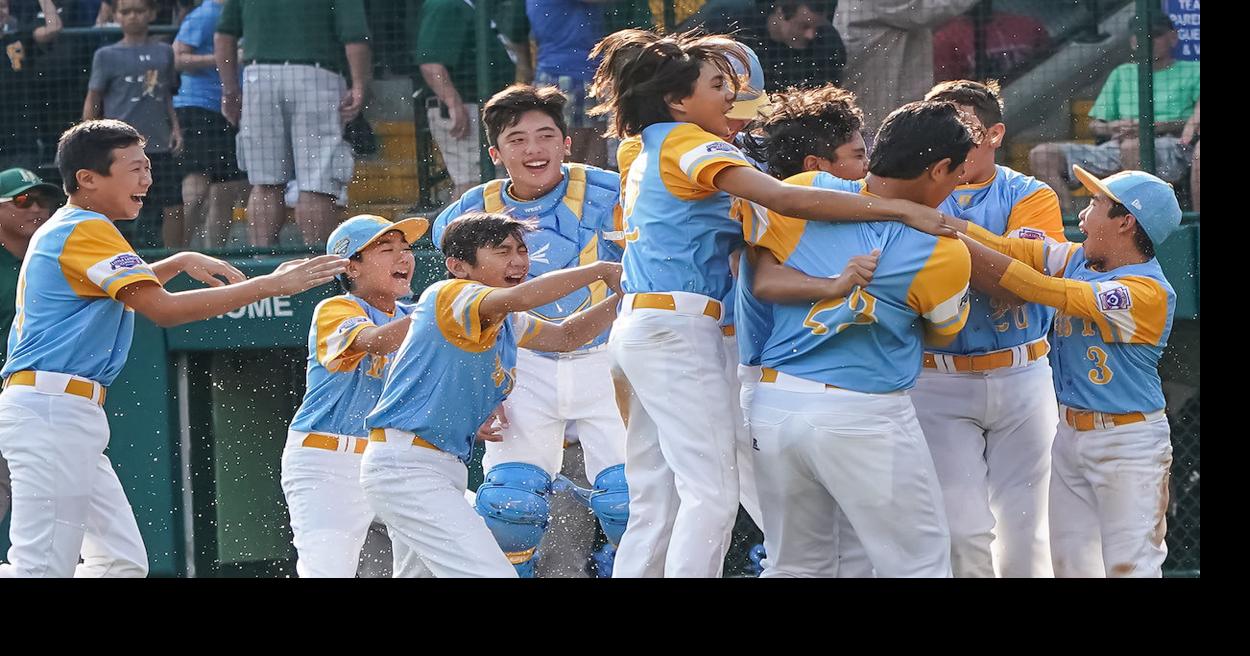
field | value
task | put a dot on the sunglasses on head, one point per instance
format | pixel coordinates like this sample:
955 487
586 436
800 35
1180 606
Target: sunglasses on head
25 201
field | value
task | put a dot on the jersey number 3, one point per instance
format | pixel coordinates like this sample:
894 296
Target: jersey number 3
1101 374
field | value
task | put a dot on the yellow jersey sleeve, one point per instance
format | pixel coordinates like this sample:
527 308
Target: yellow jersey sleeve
457 308
778 233
690 158
97 262
939 292
626 153
1037 213
525 326
1131 310
339 320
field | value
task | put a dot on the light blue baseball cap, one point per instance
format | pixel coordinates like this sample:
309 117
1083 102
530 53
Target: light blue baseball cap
1150 200
359 231
751 102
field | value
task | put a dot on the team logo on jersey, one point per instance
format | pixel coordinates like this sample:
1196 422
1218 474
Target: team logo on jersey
1030 233
964 199
540 254
340 246
1116 298
125 261
721 147
351 323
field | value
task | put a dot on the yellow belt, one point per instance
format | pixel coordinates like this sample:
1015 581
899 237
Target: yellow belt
653 301
332 443
988 361
769 375
1087 420
379 435
76 386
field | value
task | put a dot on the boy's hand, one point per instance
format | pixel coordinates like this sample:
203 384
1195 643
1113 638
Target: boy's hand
491 430
610 273
295 276
926 219
175 141
210 270
858 272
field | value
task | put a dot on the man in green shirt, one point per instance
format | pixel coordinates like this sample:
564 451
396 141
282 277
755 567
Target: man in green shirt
445 47
26 202
293 103
1114 118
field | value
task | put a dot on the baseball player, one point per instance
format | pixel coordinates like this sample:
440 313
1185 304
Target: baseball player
808 130
750 104
1112 452
575 208
77 293
674 92
454 368
349 346
835 430
986 401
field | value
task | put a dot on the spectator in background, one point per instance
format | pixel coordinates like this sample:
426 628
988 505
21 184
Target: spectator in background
133 81
211 179
293 104
565 31
26 202
19 43
445 48
795 39
1114 118
167 11
1011 41
889 49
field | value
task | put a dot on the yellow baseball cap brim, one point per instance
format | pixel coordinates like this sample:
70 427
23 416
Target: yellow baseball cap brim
746 110
1093 184
413 228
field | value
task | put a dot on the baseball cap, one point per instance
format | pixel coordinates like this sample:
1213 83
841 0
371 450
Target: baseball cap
359 231
751 101
15 181
1150 200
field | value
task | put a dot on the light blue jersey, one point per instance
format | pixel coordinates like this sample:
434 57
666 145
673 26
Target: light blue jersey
451 372
68 319
1107 345
342 388
576 225
1009 203
871 340
678 229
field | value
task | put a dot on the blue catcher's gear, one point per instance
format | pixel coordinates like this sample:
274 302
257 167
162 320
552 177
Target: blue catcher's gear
513 501
610 501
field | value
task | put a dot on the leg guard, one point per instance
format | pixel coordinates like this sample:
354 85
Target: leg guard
513 501
610 501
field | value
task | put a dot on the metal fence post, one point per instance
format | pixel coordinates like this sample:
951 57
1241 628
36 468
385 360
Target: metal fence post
482 20
1145 85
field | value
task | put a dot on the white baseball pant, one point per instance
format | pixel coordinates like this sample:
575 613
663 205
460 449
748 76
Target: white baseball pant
1109 499
990 435
419 493
680 455
330 516
549 393
852 559
822 450
748 495
67 500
